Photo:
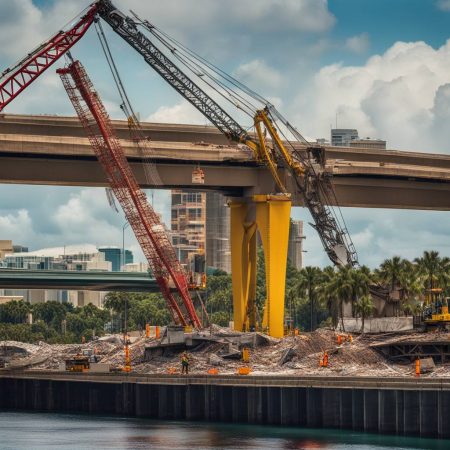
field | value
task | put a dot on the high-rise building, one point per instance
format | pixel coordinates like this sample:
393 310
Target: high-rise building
218 251
5 248
116 257
188 225
341 137
295 247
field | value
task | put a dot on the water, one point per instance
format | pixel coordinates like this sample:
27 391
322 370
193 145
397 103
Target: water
40 431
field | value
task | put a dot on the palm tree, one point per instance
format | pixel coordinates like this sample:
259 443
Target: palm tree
361 279
411 282
342 286
308 280
327 295
430 265
391 270
364 307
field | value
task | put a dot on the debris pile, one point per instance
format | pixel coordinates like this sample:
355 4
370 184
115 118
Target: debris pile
220 349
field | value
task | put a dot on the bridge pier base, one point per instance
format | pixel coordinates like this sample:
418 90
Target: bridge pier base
270 216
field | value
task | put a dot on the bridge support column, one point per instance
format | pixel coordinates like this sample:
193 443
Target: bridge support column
269 215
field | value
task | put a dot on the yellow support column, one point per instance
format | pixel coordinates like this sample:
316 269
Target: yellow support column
272 218
243 265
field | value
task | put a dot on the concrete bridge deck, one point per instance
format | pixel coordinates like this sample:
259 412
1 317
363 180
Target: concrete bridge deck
54 151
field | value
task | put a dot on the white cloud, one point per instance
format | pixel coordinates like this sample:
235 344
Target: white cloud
358 44
260 15
400 96
383 233
259 75
183 112
14 225
443 5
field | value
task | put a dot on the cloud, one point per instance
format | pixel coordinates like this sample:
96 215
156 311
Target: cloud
400 96
182 112
443 5
259 75
12 226
358 44
379 234
46 216
258 15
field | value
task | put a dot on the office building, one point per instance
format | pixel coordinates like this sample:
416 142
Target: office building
117 257
218 251
295 247
188 225
342 137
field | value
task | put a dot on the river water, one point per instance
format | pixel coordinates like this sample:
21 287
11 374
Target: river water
42 431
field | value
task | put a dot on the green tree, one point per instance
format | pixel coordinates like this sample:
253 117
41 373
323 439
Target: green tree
306 287
151 309
364 308
327 294
52 313
430 265
390 271
14 311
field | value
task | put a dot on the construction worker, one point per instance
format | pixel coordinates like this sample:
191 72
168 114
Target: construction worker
184 363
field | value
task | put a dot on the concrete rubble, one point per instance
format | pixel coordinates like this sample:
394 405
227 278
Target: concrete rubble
221 348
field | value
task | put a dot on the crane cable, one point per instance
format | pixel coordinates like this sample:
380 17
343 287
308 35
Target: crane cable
202 69
150 171
182 53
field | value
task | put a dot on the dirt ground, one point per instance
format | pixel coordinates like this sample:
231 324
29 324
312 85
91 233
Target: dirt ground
354 358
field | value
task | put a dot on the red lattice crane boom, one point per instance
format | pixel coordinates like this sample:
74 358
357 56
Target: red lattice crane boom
144 221
13 81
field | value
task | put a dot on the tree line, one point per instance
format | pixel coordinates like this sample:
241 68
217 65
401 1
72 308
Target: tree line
314 297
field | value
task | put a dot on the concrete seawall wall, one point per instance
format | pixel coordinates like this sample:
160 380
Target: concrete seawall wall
383 410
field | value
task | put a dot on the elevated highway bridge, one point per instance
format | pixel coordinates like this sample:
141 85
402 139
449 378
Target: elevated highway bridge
52 150
77 281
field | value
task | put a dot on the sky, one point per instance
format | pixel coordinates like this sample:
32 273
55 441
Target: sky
382 67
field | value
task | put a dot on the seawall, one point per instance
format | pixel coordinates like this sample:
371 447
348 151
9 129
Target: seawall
395 405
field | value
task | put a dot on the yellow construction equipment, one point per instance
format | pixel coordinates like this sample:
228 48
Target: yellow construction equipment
435 314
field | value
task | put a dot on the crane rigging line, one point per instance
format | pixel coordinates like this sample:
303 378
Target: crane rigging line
190 63
201 62
326 216
154 29
150 170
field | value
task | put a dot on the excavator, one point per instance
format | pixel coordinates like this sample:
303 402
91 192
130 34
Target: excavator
296 166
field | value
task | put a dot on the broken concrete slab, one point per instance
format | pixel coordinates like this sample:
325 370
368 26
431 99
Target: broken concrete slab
287 355
427 365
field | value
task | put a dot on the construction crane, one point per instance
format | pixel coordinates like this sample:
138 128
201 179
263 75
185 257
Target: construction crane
15 79
286 149
312 183
147 227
